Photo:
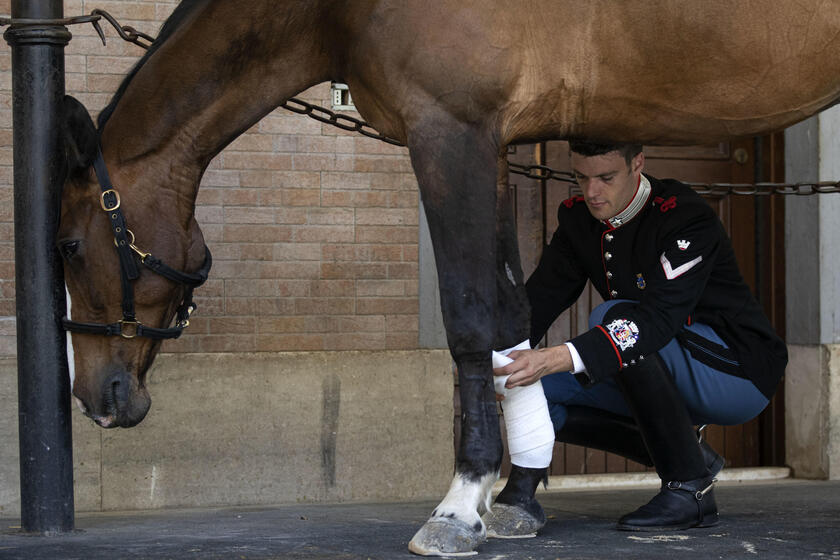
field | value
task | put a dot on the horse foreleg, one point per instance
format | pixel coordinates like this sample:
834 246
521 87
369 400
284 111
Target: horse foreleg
516 512
455 168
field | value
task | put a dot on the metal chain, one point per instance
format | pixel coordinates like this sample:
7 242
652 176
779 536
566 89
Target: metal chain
127 32
765 189
355 125
540 172
346 122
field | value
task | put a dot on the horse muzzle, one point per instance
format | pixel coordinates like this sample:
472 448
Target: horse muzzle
123 402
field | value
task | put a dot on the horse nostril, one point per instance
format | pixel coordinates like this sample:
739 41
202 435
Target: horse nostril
124 402
117 390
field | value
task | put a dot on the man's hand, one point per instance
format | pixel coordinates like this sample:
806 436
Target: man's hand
529 366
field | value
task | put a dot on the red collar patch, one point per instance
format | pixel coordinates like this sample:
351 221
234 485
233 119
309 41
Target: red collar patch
665 204
569 202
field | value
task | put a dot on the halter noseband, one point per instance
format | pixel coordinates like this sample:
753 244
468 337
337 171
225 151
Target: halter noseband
129 326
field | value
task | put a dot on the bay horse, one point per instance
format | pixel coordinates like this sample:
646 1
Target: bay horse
454 80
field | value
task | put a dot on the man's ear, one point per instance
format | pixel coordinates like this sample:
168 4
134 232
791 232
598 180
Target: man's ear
78 135
637 164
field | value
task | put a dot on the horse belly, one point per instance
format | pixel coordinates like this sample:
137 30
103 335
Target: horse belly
651 71
672 72
688 72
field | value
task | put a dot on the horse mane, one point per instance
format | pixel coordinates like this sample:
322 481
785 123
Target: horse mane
181 12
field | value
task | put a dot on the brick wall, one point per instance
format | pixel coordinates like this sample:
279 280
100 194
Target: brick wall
313 230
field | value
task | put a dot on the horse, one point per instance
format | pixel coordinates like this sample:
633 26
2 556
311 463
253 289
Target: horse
456 81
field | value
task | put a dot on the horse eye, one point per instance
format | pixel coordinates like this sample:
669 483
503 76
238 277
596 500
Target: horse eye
68 249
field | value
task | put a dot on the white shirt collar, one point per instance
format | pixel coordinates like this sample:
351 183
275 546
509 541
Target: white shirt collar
634 206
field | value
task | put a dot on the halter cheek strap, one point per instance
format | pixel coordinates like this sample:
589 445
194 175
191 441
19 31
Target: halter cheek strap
129 254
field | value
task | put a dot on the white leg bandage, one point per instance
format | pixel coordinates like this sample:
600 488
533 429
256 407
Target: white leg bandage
530 433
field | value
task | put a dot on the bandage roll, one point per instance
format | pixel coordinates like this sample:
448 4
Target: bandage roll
530 433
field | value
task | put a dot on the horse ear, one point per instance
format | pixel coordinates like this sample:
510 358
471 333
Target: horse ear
79 136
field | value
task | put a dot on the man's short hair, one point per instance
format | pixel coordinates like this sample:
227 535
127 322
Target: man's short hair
588 148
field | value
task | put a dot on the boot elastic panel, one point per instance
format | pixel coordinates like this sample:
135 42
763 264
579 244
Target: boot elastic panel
714 462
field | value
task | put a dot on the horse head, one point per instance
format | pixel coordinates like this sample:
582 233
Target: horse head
124 246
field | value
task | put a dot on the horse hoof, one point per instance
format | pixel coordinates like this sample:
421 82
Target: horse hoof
504 521
446 536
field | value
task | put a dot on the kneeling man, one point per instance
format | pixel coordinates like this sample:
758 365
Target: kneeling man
680 340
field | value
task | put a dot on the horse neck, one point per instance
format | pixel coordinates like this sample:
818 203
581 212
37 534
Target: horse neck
186 103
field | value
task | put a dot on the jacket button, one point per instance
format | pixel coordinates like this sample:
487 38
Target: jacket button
608 237
607 255
609 275
613 293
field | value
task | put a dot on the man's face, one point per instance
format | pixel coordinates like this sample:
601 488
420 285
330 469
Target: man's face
607 181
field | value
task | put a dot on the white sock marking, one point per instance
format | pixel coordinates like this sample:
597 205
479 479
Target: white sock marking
468 500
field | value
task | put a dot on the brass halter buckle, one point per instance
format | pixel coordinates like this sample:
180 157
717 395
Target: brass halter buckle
128 329
104 205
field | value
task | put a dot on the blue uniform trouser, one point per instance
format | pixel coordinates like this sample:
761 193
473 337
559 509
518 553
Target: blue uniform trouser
711 396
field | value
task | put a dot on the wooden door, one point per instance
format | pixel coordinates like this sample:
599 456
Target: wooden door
756 226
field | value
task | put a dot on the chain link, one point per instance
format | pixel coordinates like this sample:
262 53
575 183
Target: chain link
352 124
126 32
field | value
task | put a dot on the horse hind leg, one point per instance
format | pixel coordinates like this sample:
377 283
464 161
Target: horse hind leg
454 164
516 512
512 320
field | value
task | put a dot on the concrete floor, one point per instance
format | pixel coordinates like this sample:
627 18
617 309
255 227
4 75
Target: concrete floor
781 519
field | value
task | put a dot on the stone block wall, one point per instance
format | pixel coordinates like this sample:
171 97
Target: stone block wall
314 231
309 321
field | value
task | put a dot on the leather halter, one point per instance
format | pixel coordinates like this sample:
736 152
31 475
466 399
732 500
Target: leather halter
129 254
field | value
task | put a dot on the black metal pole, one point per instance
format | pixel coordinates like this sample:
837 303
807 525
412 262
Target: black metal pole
46 447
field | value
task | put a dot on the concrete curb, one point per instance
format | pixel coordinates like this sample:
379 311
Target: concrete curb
577 482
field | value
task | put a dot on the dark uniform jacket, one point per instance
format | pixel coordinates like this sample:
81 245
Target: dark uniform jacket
669 254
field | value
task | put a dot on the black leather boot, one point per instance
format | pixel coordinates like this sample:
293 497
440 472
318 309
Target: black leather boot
714 462
686 498
614 433
599 429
